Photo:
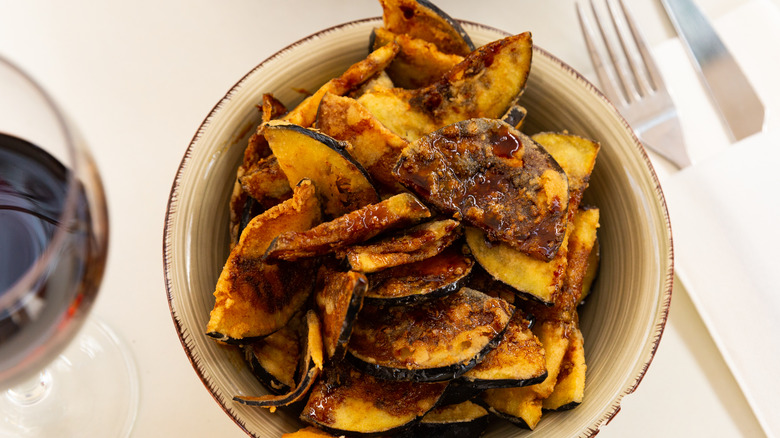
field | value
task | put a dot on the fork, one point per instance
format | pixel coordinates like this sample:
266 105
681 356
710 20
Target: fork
630 79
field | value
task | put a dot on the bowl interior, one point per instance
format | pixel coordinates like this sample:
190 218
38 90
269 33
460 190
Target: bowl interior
622 321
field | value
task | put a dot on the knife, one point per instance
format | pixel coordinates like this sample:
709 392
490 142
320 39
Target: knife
735 99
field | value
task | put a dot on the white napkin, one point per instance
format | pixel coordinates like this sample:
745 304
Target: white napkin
725 209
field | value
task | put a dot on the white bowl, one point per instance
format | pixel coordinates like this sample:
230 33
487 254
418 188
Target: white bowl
622 321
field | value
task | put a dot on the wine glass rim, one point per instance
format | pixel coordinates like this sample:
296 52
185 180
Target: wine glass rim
11 297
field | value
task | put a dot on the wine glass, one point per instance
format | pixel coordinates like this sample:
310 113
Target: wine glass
61 374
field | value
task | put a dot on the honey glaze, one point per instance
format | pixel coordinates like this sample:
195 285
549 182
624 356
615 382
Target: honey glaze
504 144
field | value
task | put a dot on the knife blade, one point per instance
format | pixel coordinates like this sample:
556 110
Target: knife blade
740 108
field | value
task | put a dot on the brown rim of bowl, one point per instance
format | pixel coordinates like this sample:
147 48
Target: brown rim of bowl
669 280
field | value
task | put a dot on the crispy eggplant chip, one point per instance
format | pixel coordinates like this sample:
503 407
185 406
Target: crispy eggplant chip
306 112
369 142
418 64
266 183
310 366
533 278
569 389
262 187
433 277
257 148
358 226
346 401
580 246
424 20
379 82
428 341
523 406
242 206
412 245
495 178
592 271
274 359
342 183
518 360
462 420
255 299
485 85
576 156
339 298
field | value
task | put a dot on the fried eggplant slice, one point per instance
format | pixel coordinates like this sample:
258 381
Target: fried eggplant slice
428 341
267 184
255 299
380 81
242 206
257 148
523 406
306 112
485 85
346 401
592 271
339 298
433 277
570 387
418 64
424 20
580 245
576 156
369 142
358 226
412 245
544 281
530 277
462 420
310 366
492 177
342 183
518 360
274 359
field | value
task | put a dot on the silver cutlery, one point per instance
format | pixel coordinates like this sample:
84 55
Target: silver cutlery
739 106
630 79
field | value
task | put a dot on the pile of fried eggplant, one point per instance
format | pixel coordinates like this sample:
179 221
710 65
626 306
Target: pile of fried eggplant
405 260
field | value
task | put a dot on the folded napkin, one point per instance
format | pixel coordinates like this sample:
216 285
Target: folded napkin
725 209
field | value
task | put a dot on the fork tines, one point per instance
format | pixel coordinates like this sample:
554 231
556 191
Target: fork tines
631 66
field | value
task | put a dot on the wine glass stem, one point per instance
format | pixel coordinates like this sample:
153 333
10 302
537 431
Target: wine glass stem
32 391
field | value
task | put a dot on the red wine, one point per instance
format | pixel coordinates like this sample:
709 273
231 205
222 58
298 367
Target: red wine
37 317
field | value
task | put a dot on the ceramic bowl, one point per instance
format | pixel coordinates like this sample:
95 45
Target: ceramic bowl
622 321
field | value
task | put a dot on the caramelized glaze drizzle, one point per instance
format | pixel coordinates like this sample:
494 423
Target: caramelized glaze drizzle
504 143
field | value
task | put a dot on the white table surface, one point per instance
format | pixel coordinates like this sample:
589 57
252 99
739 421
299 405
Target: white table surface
139 77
